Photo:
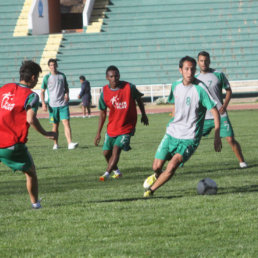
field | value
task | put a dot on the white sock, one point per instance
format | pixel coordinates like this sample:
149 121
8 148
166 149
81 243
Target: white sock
106 174
117 171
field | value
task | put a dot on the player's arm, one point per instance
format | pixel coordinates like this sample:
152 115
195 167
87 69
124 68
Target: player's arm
217 139
137 96
42 97
144 118
82 91
42 93
173 110
226 101
34 122
102 119
66 87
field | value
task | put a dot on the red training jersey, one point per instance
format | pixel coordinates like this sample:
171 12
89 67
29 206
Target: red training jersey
122 109
13 116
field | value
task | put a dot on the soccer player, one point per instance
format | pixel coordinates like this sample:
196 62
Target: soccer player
216 81
183 134
18 110
85 95
58 96
119 97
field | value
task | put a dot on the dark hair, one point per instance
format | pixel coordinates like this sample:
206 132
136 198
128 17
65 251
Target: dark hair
27 69
204 53
82 78
186 58
52 60
112 68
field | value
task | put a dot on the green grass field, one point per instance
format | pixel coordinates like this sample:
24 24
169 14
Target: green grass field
84 217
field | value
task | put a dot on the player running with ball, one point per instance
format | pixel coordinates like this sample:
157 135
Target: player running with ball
183 134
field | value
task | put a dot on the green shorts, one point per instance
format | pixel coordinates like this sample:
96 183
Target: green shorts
226 129
122 141
56 114
169 146
16 157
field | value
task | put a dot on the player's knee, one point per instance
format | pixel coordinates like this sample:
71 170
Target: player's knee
231 141
31 171
157 167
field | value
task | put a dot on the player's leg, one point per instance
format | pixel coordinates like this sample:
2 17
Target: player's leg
226 130
179 150
83 111
67 130
54 120
114 159
32 186
64 114
107 154
17 157
161 156
88 109
237 150
157 166
173 164
55 127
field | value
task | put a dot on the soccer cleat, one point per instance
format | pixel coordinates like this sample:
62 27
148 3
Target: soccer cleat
148 194
149 181
72 145
117 175
36 205
55 147
243 165
104 177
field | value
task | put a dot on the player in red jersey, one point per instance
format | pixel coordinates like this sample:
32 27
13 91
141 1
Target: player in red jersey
18 108
119 97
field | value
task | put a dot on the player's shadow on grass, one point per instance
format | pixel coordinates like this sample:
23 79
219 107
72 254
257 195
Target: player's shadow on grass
137 199
241 189
231 169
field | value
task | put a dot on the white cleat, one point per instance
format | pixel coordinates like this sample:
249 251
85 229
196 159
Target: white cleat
55 147
243 165
72 145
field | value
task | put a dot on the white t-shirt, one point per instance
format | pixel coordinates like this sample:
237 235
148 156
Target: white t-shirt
191 103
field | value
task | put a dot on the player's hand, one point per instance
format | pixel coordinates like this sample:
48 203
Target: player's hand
51 135
44 106
222 110
66 97
145 119
97 140
217 144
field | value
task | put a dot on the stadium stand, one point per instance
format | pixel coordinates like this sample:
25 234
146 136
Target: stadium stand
145 39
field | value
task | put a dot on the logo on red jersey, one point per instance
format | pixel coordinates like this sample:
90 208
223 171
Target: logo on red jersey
7 100
118 105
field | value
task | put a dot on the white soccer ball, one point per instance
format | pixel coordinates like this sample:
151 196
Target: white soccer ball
207 186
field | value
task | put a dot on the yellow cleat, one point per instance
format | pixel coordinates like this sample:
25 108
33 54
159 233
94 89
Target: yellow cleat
148 194
149 181
116 176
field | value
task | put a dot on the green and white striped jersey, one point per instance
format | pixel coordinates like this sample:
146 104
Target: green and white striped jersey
191 103
215 82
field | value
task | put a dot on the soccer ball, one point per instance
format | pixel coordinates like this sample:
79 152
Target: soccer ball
207 186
